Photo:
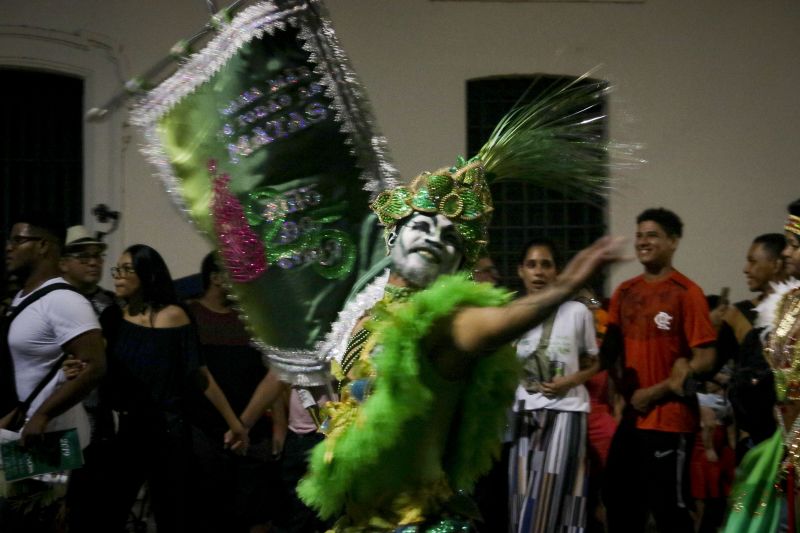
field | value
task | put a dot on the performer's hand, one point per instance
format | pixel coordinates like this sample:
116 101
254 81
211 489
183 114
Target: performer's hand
711 455
718 314
587 262
6 420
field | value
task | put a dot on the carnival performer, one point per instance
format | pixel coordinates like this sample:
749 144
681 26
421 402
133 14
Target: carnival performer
548 468
764 496
265 140
427 377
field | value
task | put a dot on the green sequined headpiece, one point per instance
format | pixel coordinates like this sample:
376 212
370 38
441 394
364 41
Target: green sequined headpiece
460 193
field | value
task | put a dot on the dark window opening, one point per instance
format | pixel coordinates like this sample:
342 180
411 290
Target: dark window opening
41 146
522 211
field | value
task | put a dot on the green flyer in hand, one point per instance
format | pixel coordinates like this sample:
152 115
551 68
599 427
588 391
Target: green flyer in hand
58 451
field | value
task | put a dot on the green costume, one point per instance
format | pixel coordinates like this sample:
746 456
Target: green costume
401 456
755 500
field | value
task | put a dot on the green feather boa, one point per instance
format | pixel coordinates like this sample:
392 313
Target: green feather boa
380 445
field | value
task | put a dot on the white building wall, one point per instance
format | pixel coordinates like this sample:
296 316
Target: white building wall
707 86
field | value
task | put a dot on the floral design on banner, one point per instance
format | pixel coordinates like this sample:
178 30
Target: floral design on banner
240 247
295 229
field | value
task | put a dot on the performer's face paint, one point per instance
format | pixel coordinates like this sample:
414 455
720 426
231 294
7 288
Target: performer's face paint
426 247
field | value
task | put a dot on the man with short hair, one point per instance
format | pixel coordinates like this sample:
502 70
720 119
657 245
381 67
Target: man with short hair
763 266
50 319
667 335
752 388
82 266
61 321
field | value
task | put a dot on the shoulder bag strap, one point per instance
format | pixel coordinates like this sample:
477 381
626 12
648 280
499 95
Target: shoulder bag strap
41 385
537 364
542 359
14 313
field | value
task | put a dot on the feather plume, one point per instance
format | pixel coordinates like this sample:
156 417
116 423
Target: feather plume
554 141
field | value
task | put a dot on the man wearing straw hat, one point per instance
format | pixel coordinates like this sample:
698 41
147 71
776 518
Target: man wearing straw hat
82 266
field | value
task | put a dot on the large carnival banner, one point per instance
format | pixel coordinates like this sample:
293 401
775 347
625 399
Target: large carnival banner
265 141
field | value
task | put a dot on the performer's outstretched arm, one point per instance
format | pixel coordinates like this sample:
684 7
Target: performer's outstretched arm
477 330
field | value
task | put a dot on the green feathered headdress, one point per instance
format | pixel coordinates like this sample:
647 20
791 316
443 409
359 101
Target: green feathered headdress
552 142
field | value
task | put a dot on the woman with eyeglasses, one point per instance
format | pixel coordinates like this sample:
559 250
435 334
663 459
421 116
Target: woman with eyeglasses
153 364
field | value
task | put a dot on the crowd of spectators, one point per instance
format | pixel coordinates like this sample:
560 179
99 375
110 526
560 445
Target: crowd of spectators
631 412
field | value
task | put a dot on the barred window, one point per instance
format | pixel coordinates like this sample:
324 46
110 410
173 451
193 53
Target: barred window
523 212
41 146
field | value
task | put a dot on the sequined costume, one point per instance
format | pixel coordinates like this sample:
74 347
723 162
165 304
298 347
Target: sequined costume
768 469
403 440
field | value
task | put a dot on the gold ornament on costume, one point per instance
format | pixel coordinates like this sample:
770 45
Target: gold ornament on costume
783 350
793 224
783 354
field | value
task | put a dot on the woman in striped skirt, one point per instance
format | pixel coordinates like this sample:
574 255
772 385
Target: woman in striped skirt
547 467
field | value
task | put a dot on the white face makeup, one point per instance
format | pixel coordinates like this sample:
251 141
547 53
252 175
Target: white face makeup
426 247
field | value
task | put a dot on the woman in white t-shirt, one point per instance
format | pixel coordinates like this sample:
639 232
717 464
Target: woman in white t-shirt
547 467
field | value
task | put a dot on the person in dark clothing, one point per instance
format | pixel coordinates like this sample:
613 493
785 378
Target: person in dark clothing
752 394
154 363
752 391
763 266
233 492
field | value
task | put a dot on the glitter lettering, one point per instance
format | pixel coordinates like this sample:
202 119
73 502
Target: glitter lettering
283 104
